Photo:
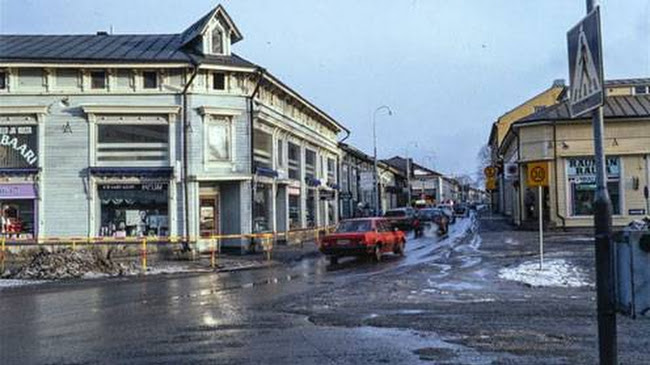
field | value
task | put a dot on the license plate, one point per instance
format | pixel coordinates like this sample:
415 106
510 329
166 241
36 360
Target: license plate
343 242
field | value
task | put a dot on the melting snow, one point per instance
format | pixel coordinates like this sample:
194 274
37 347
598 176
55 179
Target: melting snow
556 272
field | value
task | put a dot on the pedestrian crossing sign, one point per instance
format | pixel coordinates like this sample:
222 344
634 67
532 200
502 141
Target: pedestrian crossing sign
586 91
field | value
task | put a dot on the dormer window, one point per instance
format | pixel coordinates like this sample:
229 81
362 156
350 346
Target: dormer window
217 41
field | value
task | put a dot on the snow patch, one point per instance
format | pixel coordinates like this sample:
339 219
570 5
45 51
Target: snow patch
556 272
13 283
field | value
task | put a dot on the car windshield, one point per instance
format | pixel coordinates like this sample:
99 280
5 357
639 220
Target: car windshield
395 213
354 226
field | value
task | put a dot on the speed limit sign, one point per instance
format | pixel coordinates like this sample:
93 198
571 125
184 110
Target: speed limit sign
538 174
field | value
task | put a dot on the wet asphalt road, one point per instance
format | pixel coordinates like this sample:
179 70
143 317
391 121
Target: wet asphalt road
212 318
442 303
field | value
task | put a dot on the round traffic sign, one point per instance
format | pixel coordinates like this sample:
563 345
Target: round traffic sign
538 174
490 172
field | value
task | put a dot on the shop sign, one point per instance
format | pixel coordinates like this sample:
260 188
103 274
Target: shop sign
636 212
17 191
18 146
157 186
584 169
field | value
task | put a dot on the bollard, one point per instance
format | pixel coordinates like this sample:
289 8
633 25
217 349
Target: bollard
144 255
2 257
212 258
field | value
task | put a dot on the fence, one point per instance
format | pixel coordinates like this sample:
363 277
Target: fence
267 241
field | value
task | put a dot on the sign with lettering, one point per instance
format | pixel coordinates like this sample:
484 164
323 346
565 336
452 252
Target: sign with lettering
18 146
17 191
583 169
537 174
156 186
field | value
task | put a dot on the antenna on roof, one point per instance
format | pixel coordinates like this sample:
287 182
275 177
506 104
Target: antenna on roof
111 29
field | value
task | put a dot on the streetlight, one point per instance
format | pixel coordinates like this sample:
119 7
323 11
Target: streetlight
375 190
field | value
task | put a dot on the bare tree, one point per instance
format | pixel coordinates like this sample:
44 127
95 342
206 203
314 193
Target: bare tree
483 159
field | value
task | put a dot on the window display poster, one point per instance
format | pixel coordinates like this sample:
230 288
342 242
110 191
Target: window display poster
583 169
18 146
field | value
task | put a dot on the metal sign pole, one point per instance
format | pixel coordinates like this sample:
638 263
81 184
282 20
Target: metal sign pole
541 227
603 234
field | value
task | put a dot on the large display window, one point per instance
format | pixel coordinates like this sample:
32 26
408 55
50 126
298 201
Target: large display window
262 207
581 176
294 208
134 210
18 146
18 218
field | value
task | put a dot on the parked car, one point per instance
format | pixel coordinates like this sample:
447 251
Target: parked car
404 219
362 237
449 211
436 216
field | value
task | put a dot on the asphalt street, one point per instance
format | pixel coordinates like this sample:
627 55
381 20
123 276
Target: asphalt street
442 303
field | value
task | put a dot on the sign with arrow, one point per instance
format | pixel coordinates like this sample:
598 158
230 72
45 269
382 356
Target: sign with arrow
586 91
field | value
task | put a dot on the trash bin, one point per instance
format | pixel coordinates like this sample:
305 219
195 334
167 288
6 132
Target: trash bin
633 271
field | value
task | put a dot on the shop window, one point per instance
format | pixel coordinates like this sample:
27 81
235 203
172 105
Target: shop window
311 208
263 149
134 210
18 146
98 79
581 174
3 80
132 142
17 218
150 79
218 139
294 210
294 161
217 41
310 163
262 208
218 81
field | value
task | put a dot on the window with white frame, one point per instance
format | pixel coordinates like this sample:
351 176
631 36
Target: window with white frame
149 79
331 170
217 41
3 80
141 141
218 139
581 176
263 149
218 81
280 153
310 163
294 161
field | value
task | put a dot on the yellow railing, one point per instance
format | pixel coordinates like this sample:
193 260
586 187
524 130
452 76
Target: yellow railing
267 242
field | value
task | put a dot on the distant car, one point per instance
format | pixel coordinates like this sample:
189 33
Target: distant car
449 211
362 237
405 219
461 209
437 216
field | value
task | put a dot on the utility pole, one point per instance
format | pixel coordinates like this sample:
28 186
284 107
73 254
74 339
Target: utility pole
603 240
375 189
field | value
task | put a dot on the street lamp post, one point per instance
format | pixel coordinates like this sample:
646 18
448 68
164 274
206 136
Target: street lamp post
375 189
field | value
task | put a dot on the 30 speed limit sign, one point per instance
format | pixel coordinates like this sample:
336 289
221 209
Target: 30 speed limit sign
538 174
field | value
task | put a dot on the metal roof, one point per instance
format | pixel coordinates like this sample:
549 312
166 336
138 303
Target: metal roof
627 82
620 106
122 48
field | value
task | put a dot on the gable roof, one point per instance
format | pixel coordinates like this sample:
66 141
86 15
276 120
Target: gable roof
121 48
199 26
619 106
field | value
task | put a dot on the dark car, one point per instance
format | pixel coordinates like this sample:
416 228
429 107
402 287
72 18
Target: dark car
461 210
362 237
436 216
404 219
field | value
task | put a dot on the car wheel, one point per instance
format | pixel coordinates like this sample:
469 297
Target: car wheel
399 248
376 253
334 260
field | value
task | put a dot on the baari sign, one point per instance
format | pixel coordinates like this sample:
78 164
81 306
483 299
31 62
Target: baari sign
18 146
583 169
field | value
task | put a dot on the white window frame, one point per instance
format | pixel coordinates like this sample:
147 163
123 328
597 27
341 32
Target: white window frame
218 120
229 116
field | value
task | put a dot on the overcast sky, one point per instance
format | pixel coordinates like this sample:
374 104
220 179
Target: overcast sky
448 69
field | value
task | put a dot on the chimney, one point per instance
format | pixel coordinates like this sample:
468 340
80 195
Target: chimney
102 32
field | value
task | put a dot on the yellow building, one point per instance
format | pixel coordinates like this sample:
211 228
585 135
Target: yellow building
567 145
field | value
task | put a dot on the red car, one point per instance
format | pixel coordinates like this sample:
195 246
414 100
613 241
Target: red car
363 237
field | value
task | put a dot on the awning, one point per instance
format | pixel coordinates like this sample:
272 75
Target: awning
132 171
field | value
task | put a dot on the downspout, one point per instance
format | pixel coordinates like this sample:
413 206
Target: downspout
260 76
186 127
521 187
557 188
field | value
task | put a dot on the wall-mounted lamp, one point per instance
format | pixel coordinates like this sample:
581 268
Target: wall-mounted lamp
615 142
564 145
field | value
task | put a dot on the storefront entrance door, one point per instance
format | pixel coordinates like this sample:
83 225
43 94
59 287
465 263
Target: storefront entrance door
209 216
